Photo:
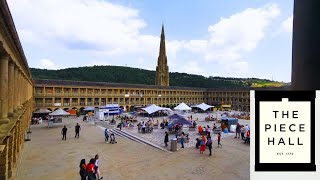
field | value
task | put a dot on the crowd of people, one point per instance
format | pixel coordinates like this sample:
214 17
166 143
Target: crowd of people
244 131
91 170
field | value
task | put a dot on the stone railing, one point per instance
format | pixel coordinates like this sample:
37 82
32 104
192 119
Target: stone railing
12 138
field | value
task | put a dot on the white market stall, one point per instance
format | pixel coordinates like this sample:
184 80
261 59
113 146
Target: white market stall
154 108
203 106
182 107
57 114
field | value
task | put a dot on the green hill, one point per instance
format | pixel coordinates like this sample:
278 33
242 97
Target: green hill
119 74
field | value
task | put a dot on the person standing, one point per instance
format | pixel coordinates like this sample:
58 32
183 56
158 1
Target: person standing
238 130
90 170
77 129
182 139
96 167
219 139
209 144
242 132
64 133
83 171
106 136
166 139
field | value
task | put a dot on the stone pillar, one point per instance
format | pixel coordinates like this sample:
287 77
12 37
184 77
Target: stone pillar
10 155
11 88
15 89
305 45
4 77
4 161
16 143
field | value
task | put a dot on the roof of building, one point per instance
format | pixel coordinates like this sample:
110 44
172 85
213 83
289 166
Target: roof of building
43 82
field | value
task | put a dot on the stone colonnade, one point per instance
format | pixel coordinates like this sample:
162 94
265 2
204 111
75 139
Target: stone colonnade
16 102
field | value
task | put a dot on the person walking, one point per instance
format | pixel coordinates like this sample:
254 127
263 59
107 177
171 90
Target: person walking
209 144
90 170
77 129
64 133
238 130
96 167
83 171
242 132
106 136
219 139
182 139
166 139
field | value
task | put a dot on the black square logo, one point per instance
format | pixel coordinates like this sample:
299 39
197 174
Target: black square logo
285 131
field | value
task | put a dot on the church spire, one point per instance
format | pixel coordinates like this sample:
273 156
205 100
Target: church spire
162 42
162 70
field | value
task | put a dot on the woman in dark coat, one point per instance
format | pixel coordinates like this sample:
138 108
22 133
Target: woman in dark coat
166 139
83 171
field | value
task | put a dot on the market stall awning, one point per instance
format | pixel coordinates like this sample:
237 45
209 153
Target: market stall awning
42 111
203 106
89 108
59 112
182 107
154 108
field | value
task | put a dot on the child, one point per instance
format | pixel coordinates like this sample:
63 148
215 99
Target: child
202 145
112 139
219 139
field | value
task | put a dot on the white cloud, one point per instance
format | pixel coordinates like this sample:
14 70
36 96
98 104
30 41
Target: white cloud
287 24
238 69
111 28
191 67
47 64
107 30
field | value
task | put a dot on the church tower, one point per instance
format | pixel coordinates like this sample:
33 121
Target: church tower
162 71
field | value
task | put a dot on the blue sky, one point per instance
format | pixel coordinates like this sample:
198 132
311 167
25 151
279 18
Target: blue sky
234 38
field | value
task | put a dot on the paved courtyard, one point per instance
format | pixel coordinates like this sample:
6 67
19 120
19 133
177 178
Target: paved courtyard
46 156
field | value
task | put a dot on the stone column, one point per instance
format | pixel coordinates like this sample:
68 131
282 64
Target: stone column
4 161
11 88
16 143
11 154
4 77
305 45
15 89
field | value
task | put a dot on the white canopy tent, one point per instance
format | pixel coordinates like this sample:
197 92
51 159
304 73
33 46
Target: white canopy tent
154 108
59 112
203 106
42 111
182 107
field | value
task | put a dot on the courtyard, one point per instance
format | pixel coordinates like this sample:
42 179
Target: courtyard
46 156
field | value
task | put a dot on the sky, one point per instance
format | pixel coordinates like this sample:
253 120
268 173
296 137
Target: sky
233 38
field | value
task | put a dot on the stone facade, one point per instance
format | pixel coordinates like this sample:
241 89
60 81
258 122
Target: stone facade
16 95
162 70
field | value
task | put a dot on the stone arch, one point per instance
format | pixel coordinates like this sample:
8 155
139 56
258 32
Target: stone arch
56 109
49 109
66 109
131 108
74 108
82 110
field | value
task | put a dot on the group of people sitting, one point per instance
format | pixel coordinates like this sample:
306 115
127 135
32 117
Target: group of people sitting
91 170
145 127
206 130
36 120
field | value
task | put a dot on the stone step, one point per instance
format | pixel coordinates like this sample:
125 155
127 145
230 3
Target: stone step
146 142
119 133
